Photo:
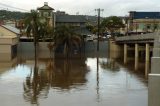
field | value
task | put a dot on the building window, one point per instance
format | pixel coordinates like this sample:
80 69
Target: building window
45 14
148 26
155 26
50 14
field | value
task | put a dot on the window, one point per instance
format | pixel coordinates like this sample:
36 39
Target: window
148 26
155 26
45 14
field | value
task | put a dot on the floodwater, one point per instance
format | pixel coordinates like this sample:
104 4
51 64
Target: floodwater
85 81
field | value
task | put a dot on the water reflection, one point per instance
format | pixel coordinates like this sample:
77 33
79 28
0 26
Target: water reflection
110 64
59 74
147 68
97 75
68 73
86 81
136 65
7 65
33 86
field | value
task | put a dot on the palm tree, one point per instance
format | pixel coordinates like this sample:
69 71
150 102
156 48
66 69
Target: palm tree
65 35
36 28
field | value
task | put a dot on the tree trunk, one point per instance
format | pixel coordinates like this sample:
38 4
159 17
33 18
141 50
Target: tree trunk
35 53
64 51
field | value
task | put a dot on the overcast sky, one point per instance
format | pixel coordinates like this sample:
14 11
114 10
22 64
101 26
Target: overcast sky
87 7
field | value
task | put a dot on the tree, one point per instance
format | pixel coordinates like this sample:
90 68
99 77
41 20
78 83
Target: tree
36 28
12 15
112 24
65 35
91 28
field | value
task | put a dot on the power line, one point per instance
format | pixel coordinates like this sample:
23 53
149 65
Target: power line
13 7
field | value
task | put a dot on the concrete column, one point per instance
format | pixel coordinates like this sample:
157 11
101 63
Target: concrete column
136 56
153 90
154 77
147 56
147 52
125 53
155 62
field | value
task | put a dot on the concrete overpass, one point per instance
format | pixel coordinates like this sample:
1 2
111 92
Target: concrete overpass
137 44
143 38
154 77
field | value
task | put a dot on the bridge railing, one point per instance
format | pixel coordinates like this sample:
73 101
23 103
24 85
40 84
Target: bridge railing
149 36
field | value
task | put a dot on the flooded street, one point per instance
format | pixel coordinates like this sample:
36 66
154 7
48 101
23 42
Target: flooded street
86 81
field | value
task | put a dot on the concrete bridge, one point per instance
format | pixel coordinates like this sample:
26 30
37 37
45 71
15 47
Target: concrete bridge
150 42
138 44
143 38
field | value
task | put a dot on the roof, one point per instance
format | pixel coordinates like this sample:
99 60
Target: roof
145 15
11 28
70 18
45 7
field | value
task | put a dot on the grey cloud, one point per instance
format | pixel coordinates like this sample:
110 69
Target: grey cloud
111 7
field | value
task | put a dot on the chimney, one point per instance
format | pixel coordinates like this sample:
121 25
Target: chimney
46 3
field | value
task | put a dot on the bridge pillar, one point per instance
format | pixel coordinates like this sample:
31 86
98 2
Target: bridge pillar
136 56
147 56
125 53
154 76
153 90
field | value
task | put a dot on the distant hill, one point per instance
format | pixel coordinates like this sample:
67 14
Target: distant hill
7 15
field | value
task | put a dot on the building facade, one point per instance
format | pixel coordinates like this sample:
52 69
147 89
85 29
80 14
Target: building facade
144 21
61 18
47 12
9 38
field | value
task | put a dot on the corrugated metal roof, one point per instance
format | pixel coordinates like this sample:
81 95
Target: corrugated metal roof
70 18
11 28
146 15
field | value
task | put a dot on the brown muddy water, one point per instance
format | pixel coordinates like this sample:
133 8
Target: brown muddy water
85 81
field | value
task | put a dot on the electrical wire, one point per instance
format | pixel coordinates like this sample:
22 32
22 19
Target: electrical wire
8 6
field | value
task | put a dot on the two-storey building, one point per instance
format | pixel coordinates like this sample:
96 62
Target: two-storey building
144 21
61 18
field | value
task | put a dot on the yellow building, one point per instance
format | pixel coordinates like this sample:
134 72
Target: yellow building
8 42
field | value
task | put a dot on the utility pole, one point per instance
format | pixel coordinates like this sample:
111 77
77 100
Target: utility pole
99 11
126 19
